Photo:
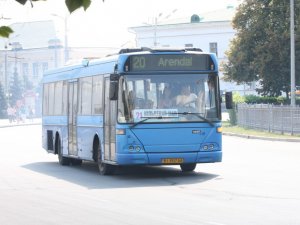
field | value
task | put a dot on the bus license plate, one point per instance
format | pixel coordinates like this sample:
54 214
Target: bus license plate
172 160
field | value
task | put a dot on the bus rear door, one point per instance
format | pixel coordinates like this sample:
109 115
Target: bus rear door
72 115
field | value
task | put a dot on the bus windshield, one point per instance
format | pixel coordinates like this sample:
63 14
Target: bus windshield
168 98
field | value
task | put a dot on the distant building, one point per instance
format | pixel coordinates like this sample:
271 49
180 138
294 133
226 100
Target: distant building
32 49
211 32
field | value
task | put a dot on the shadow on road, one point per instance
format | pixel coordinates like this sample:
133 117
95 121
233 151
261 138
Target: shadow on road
87 175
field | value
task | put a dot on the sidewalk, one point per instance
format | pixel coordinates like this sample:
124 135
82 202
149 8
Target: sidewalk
262 137
6 123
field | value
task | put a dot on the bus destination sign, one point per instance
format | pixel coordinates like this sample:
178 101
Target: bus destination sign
143 63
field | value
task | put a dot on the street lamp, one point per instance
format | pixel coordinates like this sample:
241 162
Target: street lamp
66 49
292 29
156 20
5 68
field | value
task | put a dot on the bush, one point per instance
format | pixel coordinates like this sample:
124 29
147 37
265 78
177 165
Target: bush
232 115
237 98
253 99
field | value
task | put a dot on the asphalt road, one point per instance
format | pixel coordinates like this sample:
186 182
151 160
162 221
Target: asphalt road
258 182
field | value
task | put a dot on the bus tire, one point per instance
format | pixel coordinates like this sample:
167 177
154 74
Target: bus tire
76 162
188 167
64 161
104 168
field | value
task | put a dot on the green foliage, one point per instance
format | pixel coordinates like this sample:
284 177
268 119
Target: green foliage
3 103
261 50
237 98
232 116
75 4
5 31
16 89
253 99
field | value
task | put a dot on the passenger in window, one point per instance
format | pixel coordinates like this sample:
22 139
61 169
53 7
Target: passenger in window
149 104
211 93
186 98
131 100
166 100
200 102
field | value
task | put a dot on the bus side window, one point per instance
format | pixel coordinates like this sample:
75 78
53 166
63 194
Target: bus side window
97 95
46 99
85 106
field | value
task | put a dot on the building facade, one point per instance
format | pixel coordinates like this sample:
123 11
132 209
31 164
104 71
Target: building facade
211 32
32 49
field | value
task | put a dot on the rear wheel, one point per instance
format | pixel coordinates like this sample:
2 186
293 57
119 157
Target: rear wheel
188 167
61 159
76 162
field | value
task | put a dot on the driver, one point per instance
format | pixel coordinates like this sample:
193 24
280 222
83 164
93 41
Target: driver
186 98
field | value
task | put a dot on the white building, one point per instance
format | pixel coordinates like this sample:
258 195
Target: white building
32 49
211 32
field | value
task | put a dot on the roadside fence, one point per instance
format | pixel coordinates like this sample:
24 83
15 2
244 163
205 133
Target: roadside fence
283 119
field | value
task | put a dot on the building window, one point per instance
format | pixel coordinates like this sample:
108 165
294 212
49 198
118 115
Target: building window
188 45
44 66
35 70
213 48
25 69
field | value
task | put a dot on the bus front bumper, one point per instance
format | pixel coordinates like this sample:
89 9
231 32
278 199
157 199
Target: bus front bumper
159 159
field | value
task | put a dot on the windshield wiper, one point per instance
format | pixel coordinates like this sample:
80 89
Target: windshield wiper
196 114
150 117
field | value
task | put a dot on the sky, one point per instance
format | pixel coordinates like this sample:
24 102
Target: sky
105 24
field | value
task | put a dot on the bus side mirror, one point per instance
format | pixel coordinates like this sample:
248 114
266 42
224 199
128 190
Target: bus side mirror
113 87
228 100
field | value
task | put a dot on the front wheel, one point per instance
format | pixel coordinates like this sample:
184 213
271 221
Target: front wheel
106 169
188 167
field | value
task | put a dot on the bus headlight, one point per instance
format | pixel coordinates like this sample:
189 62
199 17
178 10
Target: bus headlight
120 131
209 147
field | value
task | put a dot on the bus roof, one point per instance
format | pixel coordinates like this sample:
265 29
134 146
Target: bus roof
108 65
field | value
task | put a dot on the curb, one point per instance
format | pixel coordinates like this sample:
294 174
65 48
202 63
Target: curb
262 138
19 125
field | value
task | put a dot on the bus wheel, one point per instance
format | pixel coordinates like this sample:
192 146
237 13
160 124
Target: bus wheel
106 169
61 159
76 162
188 167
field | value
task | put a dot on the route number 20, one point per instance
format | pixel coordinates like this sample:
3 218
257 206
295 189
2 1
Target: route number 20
139 62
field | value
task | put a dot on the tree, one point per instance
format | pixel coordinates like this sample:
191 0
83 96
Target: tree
3 102
261 49
72 5
16 89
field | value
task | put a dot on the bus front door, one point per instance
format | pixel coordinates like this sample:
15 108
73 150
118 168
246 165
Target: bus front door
72 115
110 108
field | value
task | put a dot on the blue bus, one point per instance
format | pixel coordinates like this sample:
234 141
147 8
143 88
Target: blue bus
138 107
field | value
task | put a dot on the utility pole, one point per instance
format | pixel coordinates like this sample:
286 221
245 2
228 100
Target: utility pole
66 47
292 30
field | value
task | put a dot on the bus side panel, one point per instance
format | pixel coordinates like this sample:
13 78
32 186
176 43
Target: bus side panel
51 126
87 128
